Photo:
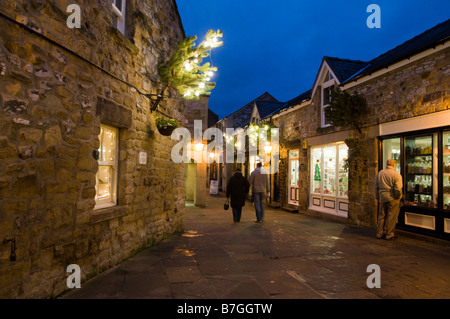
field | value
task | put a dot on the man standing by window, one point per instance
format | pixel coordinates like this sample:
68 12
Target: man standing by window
388 186
260 183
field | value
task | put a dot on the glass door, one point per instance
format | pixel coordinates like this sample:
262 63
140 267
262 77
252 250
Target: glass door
293 177
391 150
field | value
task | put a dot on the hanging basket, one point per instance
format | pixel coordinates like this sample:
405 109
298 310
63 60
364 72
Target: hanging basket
166 131
166 126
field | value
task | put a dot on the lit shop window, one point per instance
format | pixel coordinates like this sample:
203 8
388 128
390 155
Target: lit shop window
106 183
118 7
329 179
446 178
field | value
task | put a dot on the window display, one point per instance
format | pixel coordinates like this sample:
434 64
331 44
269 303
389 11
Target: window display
107 167
419 171
424 160
317 164
446 170
329 170
329 179
342 174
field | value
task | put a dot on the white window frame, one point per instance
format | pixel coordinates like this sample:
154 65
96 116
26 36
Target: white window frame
296 188
326 85
320 201
119 15
103 203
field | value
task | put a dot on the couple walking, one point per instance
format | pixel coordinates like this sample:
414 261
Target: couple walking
238 188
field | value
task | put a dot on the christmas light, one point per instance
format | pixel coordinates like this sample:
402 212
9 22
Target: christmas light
185 72
188 66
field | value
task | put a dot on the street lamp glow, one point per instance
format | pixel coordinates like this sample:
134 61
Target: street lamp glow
198 147
268 149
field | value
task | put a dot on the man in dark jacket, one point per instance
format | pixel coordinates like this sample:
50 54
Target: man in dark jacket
237 190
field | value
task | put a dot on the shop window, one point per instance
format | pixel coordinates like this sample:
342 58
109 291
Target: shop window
419 181
118 8
329 179
106 178
342 171
446 173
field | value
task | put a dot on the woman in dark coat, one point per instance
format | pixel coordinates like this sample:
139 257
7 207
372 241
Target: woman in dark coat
237 190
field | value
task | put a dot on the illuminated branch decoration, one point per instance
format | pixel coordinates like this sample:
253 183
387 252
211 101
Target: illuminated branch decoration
184 73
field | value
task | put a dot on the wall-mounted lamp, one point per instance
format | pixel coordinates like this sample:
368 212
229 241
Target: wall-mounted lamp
268 149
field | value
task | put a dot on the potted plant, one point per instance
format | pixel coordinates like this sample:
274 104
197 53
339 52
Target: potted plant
166 126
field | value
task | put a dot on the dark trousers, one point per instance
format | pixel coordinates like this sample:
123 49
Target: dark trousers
258 200
237 212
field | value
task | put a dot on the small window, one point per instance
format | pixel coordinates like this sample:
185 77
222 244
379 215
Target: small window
118 8
106 178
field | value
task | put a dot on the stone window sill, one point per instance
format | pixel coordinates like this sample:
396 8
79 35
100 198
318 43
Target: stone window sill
124 41
107 213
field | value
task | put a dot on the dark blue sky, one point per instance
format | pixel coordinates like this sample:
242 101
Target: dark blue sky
277 45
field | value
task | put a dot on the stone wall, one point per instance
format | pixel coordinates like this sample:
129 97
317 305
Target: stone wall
418 88
53 99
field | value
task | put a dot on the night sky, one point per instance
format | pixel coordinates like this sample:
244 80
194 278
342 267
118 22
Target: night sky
277 46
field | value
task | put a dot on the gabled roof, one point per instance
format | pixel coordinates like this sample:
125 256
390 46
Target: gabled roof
291 103
344 68
427 40
265 104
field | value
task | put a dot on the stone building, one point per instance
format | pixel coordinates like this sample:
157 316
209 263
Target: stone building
252 112
84 174
407 90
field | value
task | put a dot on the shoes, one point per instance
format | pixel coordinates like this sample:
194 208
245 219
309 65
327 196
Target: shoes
258 221
386 237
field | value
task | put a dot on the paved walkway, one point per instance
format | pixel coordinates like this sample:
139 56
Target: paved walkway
288 256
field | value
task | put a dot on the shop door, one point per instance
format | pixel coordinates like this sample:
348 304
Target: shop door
293 178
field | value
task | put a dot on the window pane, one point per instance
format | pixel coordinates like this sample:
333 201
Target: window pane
327 95
419 171
343 175
329 169
316 170
108 145
294 172
104 184
446 170
118 4
391 150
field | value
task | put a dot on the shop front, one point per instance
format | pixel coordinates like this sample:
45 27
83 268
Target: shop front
329 179
423 159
